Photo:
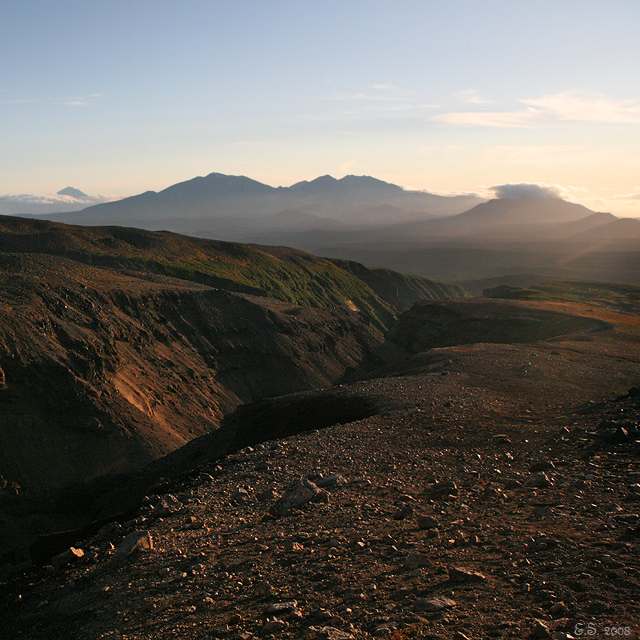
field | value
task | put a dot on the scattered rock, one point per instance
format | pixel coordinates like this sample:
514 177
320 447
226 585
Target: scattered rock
427 522
326 633
433 604
166 505
264 589
559 609
538 480
137 540
266 495
67 557
330 482
540 629
416 559
442 490
273 626
404 511
460 574
282 607
240 496
298 493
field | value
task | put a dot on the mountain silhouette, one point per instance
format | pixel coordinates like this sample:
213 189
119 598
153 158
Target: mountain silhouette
73 192
219 203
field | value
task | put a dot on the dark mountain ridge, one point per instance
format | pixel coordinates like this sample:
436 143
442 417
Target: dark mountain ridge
286 274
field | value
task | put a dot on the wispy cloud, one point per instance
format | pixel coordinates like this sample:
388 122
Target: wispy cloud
627 196
565 106
502 119
533 153
571 105
472 97
75 101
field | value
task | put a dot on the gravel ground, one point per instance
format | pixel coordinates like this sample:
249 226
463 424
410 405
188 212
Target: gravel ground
496 497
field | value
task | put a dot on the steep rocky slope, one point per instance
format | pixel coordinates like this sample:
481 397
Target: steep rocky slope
398 289
118 346
492 495
103 372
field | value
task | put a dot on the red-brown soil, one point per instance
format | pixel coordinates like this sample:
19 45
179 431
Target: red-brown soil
103 372
553 559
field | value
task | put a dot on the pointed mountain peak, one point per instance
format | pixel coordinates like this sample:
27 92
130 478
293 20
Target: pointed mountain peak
321 183
326 179
368 182
217 184
347 184
73 192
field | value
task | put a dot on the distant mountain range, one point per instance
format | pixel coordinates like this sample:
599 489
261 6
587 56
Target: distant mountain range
232 205
382 225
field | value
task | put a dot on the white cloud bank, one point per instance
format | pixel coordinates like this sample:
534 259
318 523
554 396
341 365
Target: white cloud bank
529 190
49 203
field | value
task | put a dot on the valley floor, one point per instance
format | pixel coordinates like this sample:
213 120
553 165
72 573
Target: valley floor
496 497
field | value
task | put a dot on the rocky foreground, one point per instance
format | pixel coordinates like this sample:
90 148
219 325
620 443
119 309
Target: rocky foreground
496 496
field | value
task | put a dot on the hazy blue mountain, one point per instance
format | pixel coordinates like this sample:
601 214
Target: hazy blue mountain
613 229
499 218
73 192
215 202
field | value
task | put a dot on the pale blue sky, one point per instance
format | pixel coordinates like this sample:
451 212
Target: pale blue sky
118 97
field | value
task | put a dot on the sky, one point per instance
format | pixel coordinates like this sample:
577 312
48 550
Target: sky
119 97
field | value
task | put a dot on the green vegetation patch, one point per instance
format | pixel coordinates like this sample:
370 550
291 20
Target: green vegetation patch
285 274
401 290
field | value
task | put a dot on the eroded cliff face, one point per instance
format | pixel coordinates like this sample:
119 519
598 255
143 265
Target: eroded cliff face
104 372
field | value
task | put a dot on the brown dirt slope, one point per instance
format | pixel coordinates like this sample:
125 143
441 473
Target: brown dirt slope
103 372
285 274
477 491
